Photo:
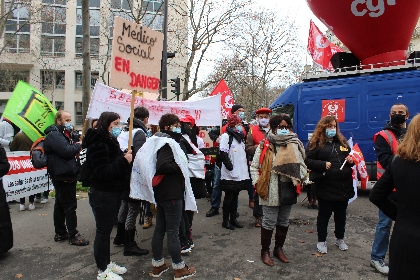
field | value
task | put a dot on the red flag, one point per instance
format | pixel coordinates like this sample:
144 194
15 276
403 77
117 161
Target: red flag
320 48
359 161
226 98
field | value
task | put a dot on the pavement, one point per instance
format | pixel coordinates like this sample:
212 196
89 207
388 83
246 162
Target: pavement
218 254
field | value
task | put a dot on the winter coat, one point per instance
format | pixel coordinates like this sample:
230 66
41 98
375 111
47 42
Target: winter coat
140 136
6 231
172 185
21 142
404 251
105 163
336 185
250 145
383 150
62 152
6 134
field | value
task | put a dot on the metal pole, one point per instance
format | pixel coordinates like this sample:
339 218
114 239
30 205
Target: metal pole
164 70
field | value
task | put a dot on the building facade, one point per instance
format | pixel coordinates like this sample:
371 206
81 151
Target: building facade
42 45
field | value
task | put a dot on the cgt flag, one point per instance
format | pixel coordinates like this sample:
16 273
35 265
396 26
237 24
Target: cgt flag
359 162
320 48
30 110
226 98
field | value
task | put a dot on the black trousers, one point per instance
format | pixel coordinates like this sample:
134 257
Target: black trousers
326 208
257 211
230 202
65 208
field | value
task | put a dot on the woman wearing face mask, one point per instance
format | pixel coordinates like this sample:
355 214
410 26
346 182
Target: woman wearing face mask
109 175
327 152
234 169
280 157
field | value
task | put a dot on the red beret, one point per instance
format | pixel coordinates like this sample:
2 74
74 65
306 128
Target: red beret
263 111
188 119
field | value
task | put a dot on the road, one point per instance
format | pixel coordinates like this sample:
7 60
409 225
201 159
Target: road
219 253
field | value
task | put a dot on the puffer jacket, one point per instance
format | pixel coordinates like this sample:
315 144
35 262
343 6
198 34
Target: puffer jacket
62 152
336 185
105 163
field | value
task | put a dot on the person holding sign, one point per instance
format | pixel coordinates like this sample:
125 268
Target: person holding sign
109 175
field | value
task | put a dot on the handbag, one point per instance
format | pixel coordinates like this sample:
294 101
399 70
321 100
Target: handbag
287 193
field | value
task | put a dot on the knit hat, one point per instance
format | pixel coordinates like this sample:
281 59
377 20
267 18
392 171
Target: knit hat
235 108
233 120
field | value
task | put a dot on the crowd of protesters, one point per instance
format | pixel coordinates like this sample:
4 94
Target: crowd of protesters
265 159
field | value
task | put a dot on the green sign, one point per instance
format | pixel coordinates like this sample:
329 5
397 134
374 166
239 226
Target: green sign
30 110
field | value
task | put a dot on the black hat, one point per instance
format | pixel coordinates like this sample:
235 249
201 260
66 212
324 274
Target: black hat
236 107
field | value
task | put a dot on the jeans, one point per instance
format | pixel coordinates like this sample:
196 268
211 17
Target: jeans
380 244
326 208
250 189
257 212
184 227
128 213
276 216
168 218
65 208
216 195
148 211
105 206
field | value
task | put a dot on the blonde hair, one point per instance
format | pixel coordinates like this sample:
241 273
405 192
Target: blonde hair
319 138
409 148
58 116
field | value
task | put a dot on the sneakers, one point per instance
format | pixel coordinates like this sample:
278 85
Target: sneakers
37 199
116 268
184 273
44 200
212 212
31 207
322 247
191 243
148 221
186 249
78 240
341 245
108 275
58 237
22 207
158 271
380 266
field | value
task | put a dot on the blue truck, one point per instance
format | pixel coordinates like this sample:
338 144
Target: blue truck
361 100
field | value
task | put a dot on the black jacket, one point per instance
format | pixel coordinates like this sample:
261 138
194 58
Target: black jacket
382 148
336 185
172 186
139 137
6 232
107 168
62 152
404 251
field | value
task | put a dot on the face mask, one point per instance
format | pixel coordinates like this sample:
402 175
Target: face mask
330 133
115 131
283 131
68 126
238 128
263 122
241 115
148 133
176 129
398 119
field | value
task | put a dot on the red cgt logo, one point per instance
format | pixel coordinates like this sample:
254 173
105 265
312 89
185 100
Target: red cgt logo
336 108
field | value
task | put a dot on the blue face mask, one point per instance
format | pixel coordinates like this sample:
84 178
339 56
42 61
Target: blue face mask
238 128
283 131
241 115
330 133
115 131
68 126
148 133
176 130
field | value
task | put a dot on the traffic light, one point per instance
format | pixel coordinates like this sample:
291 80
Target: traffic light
176 84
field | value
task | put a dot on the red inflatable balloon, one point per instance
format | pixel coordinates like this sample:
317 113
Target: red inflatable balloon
376 31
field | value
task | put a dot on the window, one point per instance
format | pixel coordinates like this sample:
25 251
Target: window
9 79
94 23
53 18
17 26
153 6
78 110
153 17
94 76
59 105
52 79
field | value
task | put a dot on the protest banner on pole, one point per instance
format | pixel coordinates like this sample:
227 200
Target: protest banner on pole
30 110
226 96
23 179
206 111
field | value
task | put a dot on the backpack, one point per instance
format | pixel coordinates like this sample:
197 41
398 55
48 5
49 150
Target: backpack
38 156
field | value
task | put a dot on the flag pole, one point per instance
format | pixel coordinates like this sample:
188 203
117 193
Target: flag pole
130 129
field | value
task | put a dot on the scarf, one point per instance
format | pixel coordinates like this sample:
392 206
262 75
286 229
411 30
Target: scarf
239 136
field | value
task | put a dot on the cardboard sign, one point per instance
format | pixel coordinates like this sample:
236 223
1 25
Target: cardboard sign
136 56
336 108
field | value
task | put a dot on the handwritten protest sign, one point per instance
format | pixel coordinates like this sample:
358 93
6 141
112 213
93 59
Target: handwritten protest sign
30 110
23 179
205 111
136 56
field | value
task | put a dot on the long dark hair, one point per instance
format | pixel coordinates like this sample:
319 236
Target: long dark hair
105 120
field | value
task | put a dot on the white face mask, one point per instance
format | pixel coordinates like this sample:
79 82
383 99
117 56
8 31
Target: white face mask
263 122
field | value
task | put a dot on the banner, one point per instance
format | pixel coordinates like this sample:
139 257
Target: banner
30 110
359 162
23 179
320 48
226 98
206 112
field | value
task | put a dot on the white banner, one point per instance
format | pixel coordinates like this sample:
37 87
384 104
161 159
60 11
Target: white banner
206 111
23 179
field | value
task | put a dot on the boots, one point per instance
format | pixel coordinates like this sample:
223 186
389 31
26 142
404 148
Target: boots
281 233
265 246
120 237
226 223
130 247
234 222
